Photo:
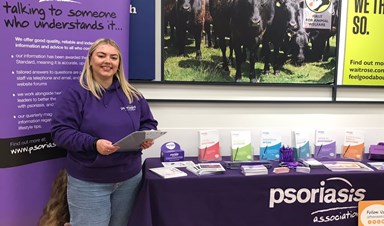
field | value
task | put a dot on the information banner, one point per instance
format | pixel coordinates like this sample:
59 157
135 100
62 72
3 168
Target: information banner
44 46
364 62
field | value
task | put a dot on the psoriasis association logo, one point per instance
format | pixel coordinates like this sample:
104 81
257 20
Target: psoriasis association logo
318 6
347 196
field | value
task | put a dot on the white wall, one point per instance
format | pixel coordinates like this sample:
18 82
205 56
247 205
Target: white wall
183 120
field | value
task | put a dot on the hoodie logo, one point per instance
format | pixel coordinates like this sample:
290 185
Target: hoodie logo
128 108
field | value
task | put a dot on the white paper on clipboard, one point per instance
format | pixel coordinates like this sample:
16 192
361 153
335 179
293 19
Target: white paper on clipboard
133 141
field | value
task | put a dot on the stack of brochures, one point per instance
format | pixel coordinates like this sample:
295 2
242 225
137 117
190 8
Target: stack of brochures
254 170
312 163
208 168
178 164
168 172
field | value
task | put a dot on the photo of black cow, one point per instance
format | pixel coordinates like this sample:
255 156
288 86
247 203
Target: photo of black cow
246 41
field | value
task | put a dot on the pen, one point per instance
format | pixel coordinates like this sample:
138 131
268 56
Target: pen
205 151
346 150
265 150
318 152
237 149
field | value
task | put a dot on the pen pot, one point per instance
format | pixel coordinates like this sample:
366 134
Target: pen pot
287 154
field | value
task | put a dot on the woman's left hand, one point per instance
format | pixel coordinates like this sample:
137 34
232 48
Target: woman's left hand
147 144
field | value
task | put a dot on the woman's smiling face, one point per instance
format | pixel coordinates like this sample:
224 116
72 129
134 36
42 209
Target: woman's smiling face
105 62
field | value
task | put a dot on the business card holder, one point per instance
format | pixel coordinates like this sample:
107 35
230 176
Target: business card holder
376 152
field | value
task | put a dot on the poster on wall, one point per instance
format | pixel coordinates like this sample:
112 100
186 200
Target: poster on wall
44 45
363 61
217 41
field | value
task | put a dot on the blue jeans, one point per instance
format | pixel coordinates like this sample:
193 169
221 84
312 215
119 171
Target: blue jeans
101 204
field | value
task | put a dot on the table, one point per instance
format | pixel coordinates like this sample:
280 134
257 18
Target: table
232 199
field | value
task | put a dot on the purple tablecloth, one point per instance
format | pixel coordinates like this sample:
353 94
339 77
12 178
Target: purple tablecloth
232 199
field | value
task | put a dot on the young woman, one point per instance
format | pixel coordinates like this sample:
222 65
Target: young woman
102 108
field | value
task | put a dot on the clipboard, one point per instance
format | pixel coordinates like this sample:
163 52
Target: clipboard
133 141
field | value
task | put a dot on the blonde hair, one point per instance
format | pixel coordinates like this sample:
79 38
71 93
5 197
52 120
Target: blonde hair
56 211
88 82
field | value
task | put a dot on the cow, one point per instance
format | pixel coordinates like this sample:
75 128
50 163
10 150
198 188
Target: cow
190 16
287 18
220 11
299 46
297 41
208 21
170 18
249 20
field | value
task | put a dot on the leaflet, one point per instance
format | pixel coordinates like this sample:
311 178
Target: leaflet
301 144
325 144
209 145
353 147
241 149
270 145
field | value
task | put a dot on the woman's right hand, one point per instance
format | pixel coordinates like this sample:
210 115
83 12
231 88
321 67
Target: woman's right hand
105 147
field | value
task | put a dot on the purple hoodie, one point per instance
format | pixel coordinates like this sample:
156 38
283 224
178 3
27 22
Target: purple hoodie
80 119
